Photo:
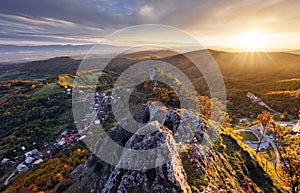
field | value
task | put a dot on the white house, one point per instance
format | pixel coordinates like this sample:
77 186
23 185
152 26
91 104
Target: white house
32 152
37 162
296 129
97 122
64 132
285 123
61 142
29 160
5 160
81 138
22 168
244 120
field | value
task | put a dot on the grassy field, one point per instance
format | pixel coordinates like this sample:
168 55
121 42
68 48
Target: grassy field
248 136
8 74
22 75
51 88
68 80
89 78
93 77
244 125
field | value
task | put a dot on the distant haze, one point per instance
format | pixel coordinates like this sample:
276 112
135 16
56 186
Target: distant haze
17 54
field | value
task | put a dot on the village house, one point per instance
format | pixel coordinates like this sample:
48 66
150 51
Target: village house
22 168
253 97
81 138
296 129
66 137
32 152
244 120
7 162
97 121
29 160
38 161
67 90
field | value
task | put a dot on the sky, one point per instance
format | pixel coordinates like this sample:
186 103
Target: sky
226 23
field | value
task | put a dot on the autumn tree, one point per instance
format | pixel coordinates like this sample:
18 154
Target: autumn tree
289 151
214 109
264 119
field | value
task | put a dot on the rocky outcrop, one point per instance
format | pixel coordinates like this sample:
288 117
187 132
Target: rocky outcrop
145 159
156 152
210 169
197 158
168 177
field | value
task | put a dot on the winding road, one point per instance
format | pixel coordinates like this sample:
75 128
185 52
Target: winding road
9 177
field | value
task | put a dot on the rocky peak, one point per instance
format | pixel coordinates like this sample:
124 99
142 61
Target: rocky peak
162 170
169 177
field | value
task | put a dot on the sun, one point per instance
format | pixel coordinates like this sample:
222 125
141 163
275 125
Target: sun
253 41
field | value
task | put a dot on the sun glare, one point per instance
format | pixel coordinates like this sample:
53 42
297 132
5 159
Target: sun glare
253 41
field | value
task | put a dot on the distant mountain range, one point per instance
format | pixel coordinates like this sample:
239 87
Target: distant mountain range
245 66
17 54
238 65
230 49
295 51
7 47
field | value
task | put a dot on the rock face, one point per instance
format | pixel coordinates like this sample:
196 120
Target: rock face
137 170
131 170
169 177
197 158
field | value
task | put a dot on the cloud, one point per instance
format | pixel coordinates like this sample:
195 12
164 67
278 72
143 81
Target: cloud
147 12
45 29
89 19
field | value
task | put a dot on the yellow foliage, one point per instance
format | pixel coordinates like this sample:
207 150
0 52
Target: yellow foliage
58 176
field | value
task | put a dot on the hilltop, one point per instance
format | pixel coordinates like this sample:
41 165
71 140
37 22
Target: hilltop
42 69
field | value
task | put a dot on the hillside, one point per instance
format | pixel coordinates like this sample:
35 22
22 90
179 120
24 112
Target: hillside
251 66
258 65
55 65
225 166
39 69
272 76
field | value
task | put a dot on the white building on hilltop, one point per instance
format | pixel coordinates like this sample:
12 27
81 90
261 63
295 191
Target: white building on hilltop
296 129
